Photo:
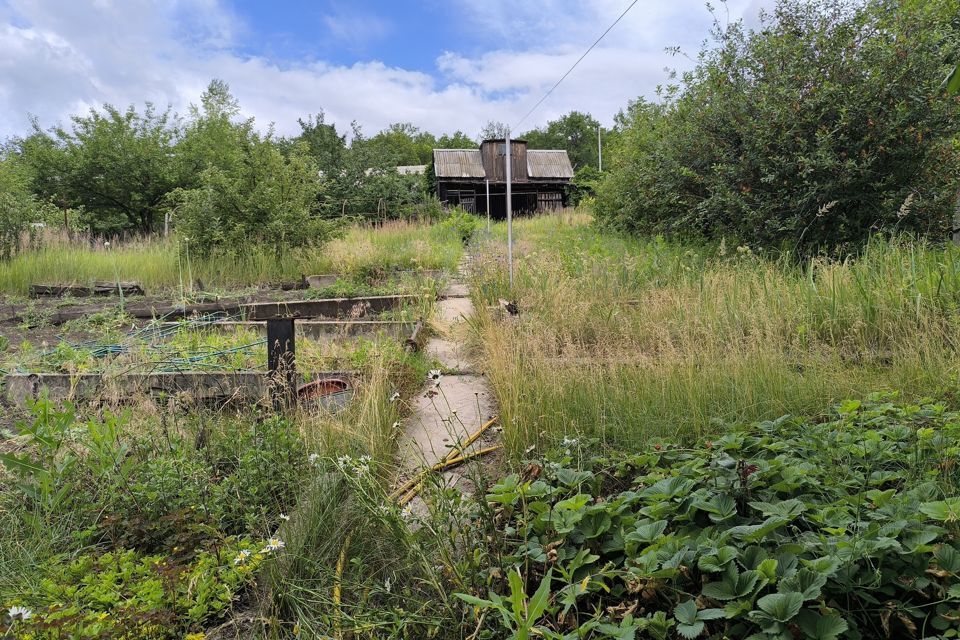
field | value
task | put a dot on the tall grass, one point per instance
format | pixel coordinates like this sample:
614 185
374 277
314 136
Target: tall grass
165 265
638 339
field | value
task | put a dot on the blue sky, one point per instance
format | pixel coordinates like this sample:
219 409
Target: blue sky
442 66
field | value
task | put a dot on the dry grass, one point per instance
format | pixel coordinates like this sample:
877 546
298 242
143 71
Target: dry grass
167 265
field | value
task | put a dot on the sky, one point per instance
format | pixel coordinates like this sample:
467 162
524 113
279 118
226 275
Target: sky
440 65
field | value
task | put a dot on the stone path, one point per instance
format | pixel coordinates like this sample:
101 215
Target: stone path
446 414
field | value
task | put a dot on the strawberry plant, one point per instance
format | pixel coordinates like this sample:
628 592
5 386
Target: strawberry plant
844 528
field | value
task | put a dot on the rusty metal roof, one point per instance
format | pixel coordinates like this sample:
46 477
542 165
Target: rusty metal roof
548 164
458 163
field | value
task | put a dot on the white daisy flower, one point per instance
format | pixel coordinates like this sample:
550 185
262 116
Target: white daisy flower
284 517
435 374
20 613
273 544
241 557
395 396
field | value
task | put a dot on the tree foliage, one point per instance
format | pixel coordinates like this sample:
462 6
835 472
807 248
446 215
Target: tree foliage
825 125
576 133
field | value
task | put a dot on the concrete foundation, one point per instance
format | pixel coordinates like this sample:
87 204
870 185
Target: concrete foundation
245 386
318 329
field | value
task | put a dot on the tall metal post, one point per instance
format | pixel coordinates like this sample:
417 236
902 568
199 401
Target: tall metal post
281 362
509 172
488 205
599 151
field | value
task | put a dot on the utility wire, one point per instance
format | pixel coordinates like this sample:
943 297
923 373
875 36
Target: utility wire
564 77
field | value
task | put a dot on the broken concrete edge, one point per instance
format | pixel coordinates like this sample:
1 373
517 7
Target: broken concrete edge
21 388
311 328
327 308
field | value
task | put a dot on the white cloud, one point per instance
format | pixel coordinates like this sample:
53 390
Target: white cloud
59 57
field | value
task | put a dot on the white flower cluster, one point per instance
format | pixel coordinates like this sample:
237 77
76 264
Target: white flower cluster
358 466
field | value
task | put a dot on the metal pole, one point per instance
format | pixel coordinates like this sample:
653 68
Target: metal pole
281 361
599 151
509 209
488 205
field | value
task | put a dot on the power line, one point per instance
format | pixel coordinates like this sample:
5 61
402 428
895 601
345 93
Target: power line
564 77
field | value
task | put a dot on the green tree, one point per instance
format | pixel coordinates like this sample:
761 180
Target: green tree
117 165
576 133
817 130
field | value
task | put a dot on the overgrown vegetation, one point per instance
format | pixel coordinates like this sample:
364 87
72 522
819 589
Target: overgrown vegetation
170 266
631 339
845 528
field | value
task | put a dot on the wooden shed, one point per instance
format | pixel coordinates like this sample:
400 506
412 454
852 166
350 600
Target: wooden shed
539 181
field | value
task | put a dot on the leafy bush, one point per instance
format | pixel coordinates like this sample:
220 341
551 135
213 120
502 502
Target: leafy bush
461 224
782 529
826 124
266 199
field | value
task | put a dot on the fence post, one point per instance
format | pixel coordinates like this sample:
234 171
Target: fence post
281 362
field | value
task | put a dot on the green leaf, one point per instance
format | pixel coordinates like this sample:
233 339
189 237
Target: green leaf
954 592
668 488
715 562
818 627
691 631
474 601
686 612
805 582
782 607
948 558
734 585
720 507
648 532
943 510
788 509
540 600
22 465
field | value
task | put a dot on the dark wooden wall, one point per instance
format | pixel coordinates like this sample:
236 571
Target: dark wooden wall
493 163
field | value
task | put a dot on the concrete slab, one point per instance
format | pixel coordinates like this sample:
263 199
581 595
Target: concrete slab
455 290
444 416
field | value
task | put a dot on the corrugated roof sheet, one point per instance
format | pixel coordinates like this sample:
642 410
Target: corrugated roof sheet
458 163
548 164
